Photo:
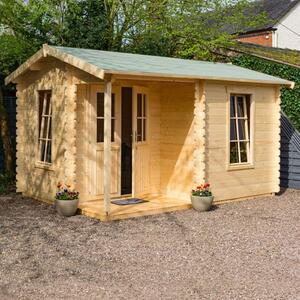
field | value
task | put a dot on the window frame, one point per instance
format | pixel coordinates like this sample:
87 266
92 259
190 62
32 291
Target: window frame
144 118
250 163
42 118
113 117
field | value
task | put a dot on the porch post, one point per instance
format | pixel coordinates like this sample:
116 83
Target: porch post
107 143
199 133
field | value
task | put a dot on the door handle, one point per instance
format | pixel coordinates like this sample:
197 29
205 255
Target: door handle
134 136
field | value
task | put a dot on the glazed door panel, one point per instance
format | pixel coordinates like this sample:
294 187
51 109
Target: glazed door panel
96 141
140 149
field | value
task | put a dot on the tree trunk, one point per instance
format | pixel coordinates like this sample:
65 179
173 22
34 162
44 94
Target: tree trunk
5 136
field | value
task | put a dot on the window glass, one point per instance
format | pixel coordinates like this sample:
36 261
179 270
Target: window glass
242 128
239 129
144 106
144 130
139 105
232 107
45 126
141 127
100 105
100 130
139 130
243 150
100 118
233 136
234 156
240 106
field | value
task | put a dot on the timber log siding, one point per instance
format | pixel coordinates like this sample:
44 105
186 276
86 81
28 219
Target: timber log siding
289 155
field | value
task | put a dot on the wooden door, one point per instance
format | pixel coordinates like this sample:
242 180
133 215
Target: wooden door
140 149
97 138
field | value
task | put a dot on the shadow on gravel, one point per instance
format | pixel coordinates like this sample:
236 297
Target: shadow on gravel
282 191
213 208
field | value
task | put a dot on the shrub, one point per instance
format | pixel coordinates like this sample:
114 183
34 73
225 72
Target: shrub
7 183
290 99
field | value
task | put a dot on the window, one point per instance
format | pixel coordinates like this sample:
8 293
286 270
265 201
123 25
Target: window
100 117
141 118
239 129
45 129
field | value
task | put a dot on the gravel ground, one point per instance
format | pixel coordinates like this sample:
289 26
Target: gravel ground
245 250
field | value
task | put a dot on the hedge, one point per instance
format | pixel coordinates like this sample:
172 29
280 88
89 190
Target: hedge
290 99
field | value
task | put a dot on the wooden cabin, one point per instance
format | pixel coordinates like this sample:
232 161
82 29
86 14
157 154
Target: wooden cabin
117 125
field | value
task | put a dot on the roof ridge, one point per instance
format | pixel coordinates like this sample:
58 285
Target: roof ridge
139 54
100 63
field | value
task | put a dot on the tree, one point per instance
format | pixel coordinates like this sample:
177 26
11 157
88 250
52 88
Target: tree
179 28
194 28
12 53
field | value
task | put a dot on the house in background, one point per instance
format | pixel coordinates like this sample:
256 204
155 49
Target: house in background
120 125
283 28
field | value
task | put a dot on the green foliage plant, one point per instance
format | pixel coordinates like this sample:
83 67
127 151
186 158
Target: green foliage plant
290 98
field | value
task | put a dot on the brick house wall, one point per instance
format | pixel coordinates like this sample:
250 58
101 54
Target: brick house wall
261 38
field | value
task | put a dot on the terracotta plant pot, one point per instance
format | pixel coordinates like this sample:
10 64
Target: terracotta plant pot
200 203
66 208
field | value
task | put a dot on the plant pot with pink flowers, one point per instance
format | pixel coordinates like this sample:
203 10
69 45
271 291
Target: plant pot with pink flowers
66 200
202 197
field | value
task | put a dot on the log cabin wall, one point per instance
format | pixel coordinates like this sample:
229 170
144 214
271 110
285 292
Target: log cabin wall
263 177
33 178
177 139
171 136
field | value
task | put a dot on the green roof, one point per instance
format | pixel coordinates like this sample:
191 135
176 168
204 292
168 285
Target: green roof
136 64
99 63
285 56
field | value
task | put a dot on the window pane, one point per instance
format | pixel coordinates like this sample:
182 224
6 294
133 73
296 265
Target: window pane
113 105
144 106
50 129
48 154
100 114
139 130
242 133
47 110
244 154
43 148
139 105
41 101
144 129
44 127
248 112
232 107
233 136
234 156
100 130
112 130
100 105
240 106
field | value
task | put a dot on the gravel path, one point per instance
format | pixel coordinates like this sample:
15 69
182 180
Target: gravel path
245 250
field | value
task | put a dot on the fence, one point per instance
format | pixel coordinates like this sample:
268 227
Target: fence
289 155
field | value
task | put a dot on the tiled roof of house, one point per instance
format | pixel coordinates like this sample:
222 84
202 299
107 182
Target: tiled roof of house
275 10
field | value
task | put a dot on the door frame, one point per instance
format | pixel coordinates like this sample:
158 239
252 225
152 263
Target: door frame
136 89
93 145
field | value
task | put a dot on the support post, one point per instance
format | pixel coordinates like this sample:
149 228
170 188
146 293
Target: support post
107 143
199 133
